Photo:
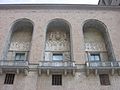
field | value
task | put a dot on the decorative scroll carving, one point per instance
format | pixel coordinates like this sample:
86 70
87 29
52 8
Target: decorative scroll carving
95 46
57 41
21 39
94 40
24 46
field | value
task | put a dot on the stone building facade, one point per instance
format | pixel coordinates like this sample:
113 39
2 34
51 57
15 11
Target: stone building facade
63 47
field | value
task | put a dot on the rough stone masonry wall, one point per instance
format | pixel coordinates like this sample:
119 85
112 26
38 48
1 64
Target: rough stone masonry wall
76 18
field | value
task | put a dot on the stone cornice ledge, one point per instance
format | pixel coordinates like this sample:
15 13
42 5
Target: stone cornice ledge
58 6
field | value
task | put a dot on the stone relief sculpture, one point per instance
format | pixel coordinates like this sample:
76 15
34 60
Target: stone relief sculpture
57 41
94 40
20 46
95 46
20 40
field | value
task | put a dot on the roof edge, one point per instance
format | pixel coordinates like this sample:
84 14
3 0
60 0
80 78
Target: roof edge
55 6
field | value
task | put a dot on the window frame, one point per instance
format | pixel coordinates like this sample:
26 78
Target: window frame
93 53
25 56
9 78
104 79
56 80
58 55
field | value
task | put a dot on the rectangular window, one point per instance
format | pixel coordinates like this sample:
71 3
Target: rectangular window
9 78
94 57
56 79
20 56
104 79
57 57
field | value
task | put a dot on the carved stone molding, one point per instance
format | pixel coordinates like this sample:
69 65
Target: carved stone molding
57 41
20 46
97 46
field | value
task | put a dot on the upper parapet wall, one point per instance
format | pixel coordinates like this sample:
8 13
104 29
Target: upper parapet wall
56 6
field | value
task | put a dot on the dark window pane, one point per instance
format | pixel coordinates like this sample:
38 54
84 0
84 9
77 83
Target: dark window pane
20 56
57 57
56 79
9 78
94 57
104 79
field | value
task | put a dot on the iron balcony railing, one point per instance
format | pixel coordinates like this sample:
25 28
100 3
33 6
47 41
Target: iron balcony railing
13 63
56 64
103 64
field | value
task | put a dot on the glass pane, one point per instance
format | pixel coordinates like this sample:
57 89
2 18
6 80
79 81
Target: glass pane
20 56
97 57
57 57
17 57
92 58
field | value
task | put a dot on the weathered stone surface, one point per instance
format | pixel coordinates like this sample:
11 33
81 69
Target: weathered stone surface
41 18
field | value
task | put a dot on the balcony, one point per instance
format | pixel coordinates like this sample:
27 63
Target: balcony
14 66
102 67
57 67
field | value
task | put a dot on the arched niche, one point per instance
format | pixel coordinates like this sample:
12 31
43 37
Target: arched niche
97 40
58 45
20 39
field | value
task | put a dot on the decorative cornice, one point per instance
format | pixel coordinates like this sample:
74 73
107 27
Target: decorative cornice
57 6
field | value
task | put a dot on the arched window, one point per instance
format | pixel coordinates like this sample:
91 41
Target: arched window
20 40
57 57
58 41
97 42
